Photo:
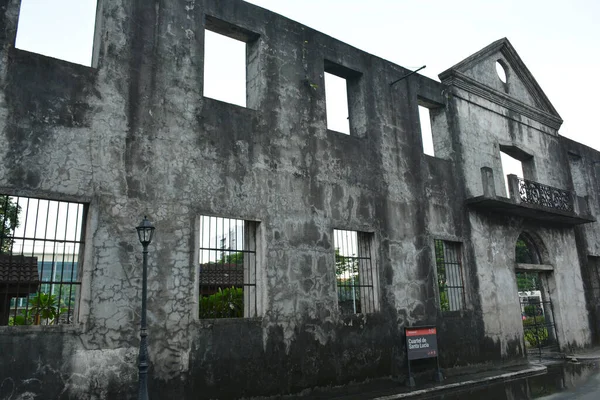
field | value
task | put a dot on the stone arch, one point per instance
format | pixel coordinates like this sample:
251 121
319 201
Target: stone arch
530 249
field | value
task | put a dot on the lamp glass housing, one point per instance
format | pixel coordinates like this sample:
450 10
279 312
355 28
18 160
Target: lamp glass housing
145 231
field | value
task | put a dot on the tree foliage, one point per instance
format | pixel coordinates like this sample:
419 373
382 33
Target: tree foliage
440 263
522 253
233 258
345 266
536 331
43 309
9 221
226 303
526 251
527 281
348 282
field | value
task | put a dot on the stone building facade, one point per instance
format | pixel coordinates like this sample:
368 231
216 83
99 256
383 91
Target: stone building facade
133 135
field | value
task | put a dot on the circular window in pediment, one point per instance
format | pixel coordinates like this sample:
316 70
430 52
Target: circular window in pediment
501 71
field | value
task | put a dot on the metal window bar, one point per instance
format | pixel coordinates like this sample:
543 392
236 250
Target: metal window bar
539 327
227 273
354 272
449 274
40 245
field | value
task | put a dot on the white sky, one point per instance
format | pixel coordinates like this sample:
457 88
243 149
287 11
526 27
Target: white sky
510 166
336 103
558 40
220 233
58 28
41 220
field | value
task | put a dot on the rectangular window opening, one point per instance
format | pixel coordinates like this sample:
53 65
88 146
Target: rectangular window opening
449 268
336 100
354 272
510 166
41 247
64 30
224 68
426 132
227 274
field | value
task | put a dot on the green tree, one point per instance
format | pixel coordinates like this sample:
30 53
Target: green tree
344 265
522 253
348 282
9 221
226 303
234 258
43 309
440 263
527 281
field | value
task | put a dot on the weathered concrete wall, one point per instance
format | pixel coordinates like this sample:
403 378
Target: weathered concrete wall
514 115
135 136
584 167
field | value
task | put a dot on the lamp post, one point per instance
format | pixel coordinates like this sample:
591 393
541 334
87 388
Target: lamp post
145 232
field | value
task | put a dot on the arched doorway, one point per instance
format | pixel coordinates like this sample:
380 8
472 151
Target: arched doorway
537 312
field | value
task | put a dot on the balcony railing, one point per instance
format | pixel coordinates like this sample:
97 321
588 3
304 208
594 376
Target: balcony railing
532 200
543 195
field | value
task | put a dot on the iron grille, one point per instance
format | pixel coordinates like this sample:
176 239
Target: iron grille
354 272
546 196
41 243
227 273
539 328
449 275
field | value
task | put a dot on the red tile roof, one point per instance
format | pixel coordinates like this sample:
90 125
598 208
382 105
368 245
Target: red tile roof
18 274
223 275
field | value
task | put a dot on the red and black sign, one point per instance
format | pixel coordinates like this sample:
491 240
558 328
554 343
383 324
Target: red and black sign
421 342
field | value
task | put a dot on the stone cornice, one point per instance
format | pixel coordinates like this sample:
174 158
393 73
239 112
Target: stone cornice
461 81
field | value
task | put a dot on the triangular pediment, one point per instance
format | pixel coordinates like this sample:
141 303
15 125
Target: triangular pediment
520 91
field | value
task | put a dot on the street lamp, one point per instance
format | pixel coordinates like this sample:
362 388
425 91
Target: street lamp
145 232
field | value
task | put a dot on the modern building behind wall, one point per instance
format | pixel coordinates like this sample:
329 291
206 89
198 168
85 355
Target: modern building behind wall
287 255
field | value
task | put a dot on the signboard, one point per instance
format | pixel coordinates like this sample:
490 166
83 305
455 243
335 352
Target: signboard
421 342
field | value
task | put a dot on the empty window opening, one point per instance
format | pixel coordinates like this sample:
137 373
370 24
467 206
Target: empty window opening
224 68
41 242
448 260
336 98
227 274
426 133
501 71
61 29
510 166
354 272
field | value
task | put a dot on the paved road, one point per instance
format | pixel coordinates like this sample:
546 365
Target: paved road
589 389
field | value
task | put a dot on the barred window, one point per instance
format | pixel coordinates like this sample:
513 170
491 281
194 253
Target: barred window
41 246
227 274
451 286
594 277
354 272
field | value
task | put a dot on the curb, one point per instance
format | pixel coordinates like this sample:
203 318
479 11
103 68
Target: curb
581 357
532 371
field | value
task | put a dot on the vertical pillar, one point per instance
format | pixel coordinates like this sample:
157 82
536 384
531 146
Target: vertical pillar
513 188
487 180
9 17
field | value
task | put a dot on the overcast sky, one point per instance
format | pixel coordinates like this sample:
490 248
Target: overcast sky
559 41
